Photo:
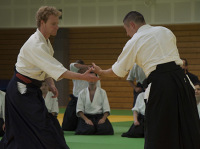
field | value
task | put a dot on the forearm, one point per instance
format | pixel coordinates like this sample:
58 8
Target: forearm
135 116
82 115
107 73
50 82
71 75
132 84
106 114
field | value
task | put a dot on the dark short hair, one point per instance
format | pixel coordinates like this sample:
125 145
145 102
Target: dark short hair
93 73
197 83
135 17
186 62
145 83
80 61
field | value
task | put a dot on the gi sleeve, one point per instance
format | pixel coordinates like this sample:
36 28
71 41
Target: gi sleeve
55 105
106 106
46 62
2 105
131 75
138 103
80 102
73 68
125 60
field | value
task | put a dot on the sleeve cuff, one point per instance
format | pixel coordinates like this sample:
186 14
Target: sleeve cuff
58 73
118 70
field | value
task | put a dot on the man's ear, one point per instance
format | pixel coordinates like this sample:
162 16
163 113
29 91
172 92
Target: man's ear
132 24
42 22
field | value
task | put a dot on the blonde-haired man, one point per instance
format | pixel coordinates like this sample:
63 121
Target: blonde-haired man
28 125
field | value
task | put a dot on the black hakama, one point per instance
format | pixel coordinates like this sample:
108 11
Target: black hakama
96 129
136 131
28 123
171 117
70 120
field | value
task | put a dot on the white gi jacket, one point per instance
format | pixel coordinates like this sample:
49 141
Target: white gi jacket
136 73
99 104
78 85
140 104
36 60
2 105
148 47
51 103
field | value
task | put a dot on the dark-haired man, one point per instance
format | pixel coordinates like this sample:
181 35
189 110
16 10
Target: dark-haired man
192 77
171 114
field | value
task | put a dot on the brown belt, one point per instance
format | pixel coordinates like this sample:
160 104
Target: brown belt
21 77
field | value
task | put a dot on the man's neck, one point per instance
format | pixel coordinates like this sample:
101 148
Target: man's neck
46 36
92 87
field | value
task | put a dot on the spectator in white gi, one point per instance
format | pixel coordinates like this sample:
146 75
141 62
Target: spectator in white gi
70 120
138 75
2 112
93 109
50 102
137 128
197 95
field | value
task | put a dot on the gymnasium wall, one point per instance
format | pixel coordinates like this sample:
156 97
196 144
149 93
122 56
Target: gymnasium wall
101 45
84 13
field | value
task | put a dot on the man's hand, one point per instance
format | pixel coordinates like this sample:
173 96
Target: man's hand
54 90
96 69
138 89
101 121
136 123
52 86
89 122
4 127
90 77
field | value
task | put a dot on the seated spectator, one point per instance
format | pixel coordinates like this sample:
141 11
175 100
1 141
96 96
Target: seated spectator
70 120
2 113
197 95
51 105
137 128
93 109
192 77
138 75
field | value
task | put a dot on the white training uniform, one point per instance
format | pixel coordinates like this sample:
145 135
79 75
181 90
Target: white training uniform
143 49
136 73
99 104
198 108
2 105
78 85
140 104
51 103
37 62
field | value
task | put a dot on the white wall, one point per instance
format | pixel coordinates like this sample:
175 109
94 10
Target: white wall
21 13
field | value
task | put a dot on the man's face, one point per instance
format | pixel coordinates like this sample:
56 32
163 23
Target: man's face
197 90
184 66
44 88
51 26
130 30
92 82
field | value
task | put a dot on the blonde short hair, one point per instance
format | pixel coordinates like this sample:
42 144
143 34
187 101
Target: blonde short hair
44 12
